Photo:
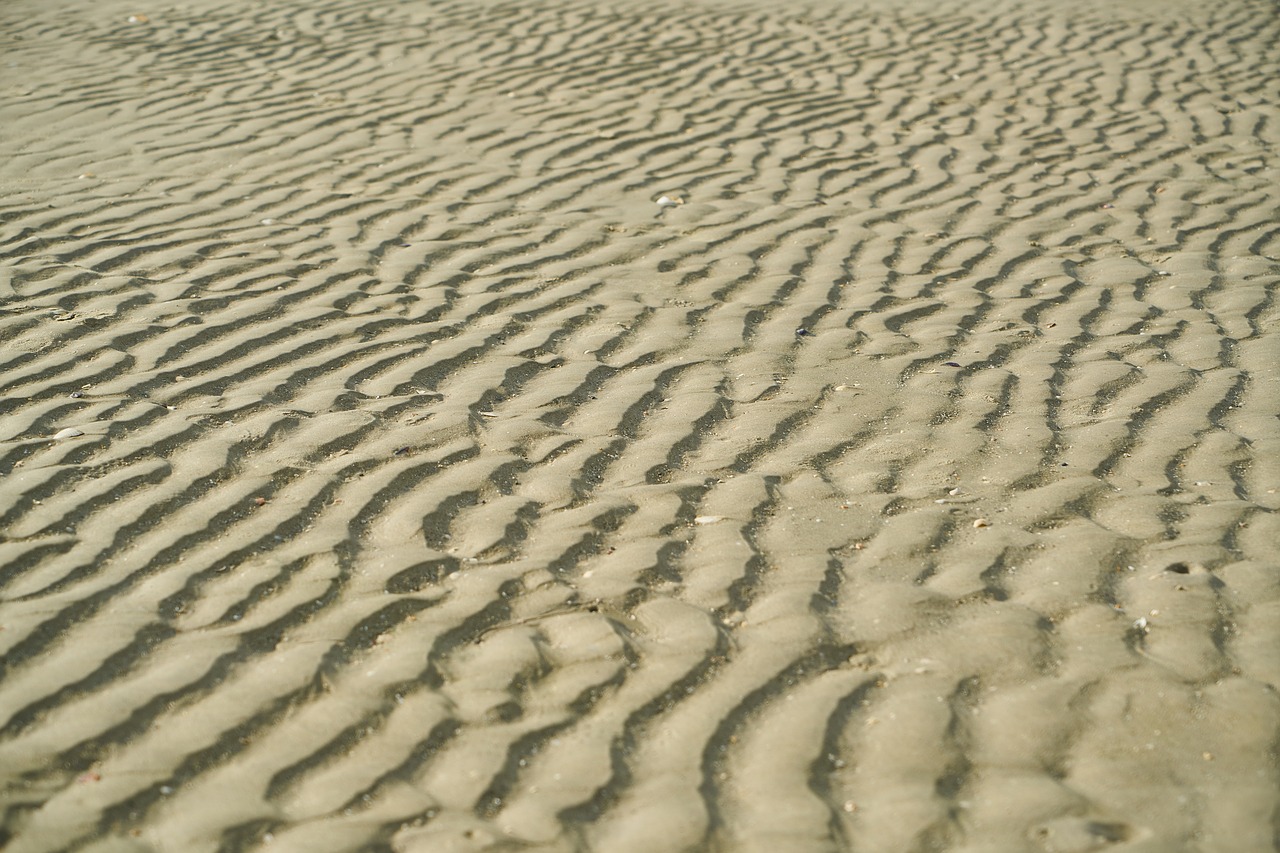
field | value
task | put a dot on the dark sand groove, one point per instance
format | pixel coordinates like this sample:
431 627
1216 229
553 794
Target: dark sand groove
905 481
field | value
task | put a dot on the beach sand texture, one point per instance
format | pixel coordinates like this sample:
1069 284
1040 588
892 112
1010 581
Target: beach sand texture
627 427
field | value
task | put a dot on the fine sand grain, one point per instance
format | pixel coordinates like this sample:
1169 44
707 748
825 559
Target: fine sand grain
639 426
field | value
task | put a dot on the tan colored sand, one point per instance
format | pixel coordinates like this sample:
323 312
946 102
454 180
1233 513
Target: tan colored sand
905 480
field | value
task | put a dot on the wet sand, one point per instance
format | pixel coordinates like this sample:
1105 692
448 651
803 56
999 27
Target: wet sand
657 426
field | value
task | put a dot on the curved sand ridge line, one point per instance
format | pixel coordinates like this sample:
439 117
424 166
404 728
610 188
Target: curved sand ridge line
905 481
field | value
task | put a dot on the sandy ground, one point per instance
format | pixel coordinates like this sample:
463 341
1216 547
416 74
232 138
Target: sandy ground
635 427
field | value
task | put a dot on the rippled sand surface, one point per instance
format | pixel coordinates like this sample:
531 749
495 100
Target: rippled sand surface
632 427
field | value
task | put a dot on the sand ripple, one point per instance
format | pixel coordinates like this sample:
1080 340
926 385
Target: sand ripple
904 480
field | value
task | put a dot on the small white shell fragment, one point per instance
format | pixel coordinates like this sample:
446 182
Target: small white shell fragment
69 432
668 201
981 522
708 519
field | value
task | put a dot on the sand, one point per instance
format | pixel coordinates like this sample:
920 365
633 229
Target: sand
639 426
